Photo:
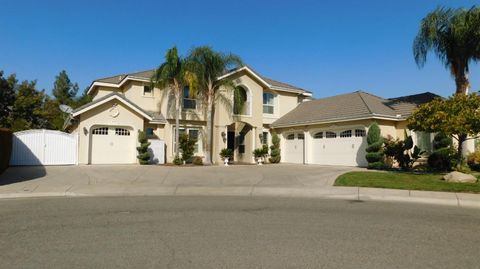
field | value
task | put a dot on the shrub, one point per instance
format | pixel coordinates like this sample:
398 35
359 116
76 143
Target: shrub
275 149
226 153
374 151
177 160
401 151
187 147
443 156
261 152
143 155
197 160
473 160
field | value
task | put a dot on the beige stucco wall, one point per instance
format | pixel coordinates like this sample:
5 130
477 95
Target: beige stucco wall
102 91
100 116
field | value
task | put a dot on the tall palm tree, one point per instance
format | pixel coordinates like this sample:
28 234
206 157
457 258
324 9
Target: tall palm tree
208 65
454 36
173 75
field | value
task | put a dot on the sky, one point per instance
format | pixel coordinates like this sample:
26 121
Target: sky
327 47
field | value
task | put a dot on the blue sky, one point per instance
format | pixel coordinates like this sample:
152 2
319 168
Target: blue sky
328 47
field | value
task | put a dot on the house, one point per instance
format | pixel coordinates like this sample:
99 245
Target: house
332 130
125 104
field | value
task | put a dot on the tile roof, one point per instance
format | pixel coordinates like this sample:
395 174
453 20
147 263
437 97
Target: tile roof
351 106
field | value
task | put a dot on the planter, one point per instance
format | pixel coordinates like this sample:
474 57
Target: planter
225 161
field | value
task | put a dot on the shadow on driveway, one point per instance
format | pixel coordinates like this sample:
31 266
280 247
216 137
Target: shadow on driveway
15 174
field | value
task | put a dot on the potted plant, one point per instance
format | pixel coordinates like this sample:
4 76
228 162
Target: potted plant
226 154
260 154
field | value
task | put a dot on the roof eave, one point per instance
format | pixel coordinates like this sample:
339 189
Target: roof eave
313 122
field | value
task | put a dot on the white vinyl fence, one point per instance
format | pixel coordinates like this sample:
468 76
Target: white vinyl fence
44 147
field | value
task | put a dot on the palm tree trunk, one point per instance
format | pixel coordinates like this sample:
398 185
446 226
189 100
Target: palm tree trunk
208 146
460 71
461 138
177 122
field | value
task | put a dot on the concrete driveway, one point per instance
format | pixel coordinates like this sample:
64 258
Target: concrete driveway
146 180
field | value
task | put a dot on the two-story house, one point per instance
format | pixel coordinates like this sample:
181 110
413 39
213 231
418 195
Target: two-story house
125 104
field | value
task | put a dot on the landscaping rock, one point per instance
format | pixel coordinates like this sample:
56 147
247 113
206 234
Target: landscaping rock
458 177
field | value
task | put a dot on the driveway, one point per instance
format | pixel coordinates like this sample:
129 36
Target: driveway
145 180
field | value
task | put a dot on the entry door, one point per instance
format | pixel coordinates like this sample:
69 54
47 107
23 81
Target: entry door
294 144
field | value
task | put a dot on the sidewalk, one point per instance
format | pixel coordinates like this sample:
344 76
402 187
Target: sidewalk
255 181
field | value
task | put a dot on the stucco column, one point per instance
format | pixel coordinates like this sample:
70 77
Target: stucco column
254 140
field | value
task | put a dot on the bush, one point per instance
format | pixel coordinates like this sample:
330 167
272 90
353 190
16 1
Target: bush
275 149
177 160
226 153
473 160
401 151
6 148
143 155
443 156
187 147
197 160
261 152
374 151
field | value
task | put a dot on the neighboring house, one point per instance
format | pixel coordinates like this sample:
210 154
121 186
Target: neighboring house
332 130
125 104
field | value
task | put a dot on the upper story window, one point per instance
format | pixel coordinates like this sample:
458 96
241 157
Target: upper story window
147 90
241 101
268 103
188 101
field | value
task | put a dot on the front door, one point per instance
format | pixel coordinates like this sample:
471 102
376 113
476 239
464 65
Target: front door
231 141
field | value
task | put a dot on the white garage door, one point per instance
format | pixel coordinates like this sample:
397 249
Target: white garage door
344 147
294 148
112 145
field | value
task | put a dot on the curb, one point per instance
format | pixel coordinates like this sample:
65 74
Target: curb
464 200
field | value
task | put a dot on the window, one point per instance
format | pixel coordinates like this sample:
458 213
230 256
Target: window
318 135
241 143
265 138
241 105
147 90
301 136
188 101
360 133
122 132
290 137
149 131
346 133
100 131
194 133
268 103
329 134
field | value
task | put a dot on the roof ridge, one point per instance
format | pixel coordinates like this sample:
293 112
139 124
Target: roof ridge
359 93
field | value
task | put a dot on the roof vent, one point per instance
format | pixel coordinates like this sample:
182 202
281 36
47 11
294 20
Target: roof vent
398 116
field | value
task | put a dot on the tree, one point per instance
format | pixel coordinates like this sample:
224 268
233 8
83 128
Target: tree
82 99
401 151
208 65
63 89
173 74
275 149
7 98
453 35
374 151
458 117
187 147
28 108
143 155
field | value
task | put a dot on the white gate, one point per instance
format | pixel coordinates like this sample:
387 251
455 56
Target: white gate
44 147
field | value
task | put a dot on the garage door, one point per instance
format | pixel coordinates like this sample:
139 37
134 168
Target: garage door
112 145
294 148
339 147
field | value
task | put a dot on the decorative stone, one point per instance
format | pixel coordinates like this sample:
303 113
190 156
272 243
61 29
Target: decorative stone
458 177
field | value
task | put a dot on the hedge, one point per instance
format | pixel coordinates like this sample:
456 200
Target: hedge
5 148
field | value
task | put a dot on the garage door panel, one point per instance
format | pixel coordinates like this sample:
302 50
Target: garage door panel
294 147
348 151
112 145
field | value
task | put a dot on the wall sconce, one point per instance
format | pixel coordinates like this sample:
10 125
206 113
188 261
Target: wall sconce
260 136
85 131
224 137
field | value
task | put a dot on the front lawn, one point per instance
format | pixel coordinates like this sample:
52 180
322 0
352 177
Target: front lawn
405 181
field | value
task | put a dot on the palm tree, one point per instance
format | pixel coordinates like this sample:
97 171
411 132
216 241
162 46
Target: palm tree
208 65
172 74
454 36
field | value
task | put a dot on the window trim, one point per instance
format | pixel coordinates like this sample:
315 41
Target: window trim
193 100
187 130
272 105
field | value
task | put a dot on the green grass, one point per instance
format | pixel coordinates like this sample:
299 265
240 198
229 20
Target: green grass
404 181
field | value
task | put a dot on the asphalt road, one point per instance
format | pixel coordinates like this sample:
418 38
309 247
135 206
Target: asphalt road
227 232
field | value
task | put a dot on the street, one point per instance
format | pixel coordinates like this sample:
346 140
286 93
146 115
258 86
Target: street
234 232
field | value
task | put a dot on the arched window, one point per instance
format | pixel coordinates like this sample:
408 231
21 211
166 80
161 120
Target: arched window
329 134
122 132
241 101
318 135
360 133
346 133
290 136
100 131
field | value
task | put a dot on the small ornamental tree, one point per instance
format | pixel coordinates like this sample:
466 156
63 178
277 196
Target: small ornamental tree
143 156
187 147
442 157
374 150
275 149
458 117
403 151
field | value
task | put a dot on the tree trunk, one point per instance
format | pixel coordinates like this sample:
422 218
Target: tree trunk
460 71
208 146
461 138
177 123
